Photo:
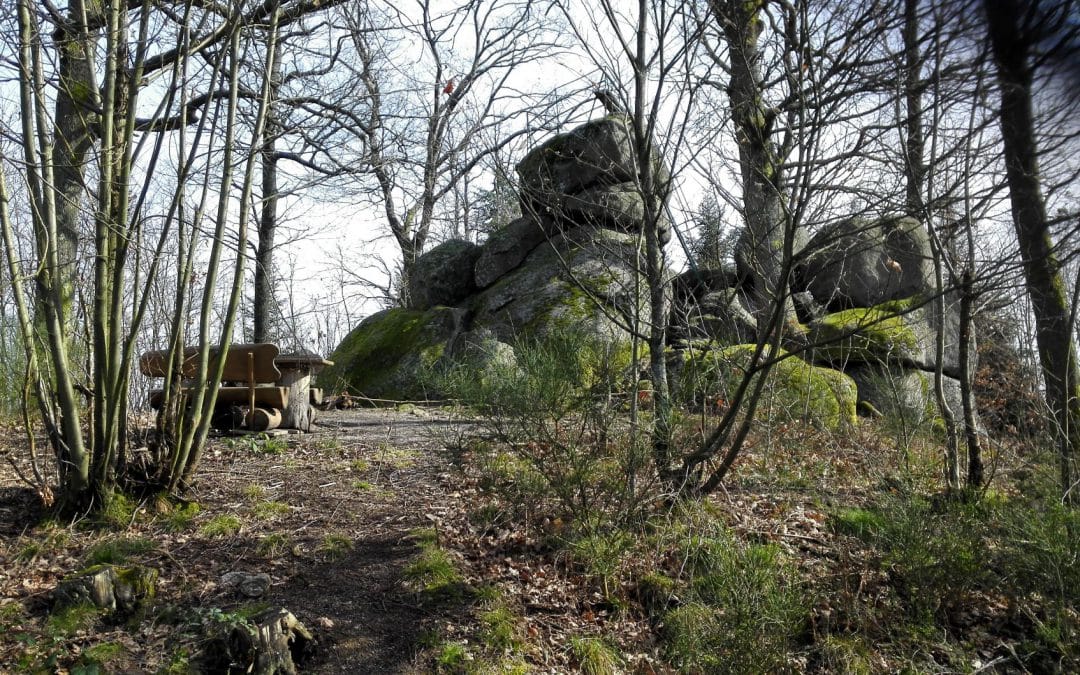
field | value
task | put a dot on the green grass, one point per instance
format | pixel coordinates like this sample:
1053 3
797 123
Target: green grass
103 653
181 517
595 656
270 510
254 491
744 611
334 546
118 511
70 619
118 551
452 657
273 545
220 526
498 629
433 572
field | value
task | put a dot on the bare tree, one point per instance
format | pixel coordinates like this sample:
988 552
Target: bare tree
85 149
1023 34
423 122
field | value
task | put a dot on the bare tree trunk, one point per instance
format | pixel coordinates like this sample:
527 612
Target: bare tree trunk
1012 41
763 248
263 304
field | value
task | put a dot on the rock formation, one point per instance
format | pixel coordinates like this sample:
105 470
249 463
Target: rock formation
862 290
865 291
570 262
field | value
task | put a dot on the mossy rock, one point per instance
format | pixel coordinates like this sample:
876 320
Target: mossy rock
890 333
584 279
796 389
385 355
443 276
862 263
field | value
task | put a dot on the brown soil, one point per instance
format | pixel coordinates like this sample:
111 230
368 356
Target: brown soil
330 518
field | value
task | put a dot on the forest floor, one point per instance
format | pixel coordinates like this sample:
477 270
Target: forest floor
387 547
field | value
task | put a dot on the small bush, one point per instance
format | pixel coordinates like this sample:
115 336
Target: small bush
600 555
555 415
259 444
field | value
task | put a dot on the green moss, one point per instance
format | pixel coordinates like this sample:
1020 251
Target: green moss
141 580
384 354
878 334
796 389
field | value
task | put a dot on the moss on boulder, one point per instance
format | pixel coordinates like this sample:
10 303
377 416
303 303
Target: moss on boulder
879 334
383 357
795 390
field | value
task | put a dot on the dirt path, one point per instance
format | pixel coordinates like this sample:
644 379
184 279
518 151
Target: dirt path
331 516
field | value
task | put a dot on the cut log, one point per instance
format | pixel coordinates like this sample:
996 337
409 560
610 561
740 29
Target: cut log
263 419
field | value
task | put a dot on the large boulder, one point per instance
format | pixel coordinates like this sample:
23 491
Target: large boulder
795 389
506 249
586 279
385 356
859 263
571 264
443 275
597 153
708 303
905 395
617 207
902 333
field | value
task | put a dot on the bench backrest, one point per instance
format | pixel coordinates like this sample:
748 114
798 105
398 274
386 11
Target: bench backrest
241 362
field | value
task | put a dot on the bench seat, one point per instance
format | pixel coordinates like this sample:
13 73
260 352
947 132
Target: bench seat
266 396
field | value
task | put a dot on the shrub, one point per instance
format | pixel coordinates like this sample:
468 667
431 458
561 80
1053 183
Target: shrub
744 611
555 413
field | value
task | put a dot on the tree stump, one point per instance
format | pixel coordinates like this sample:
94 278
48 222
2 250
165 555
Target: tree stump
270 643
299 414
120 590
296 371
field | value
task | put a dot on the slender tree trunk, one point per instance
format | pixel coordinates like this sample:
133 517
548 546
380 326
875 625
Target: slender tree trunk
1042 271
263 305
763 247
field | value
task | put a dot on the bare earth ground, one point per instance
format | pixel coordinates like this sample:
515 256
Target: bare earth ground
354 491
336 519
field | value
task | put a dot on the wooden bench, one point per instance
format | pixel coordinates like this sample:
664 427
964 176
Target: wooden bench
248 380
